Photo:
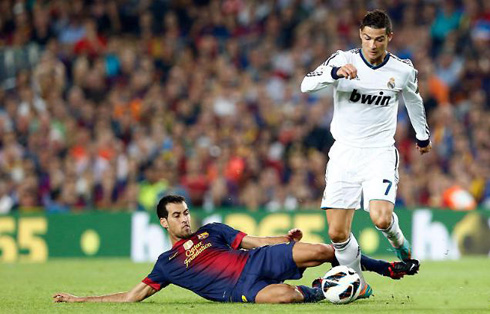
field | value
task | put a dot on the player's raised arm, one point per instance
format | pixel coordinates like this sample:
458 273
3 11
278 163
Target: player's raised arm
250 242
416 112
325 74
140 292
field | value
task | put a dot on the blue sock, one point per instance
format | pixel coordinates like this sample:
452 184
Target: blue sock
311 294
379 266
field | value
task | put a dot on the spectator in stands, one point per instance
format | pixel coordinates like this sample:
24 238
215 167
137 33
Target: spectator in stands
111 105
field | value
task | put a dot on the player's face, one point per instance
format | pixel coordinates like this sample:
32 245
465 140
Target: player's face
178 222
374 43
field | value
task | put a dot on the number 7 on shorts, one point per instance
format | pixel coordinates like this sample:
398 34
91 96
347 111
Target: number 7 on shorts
389 185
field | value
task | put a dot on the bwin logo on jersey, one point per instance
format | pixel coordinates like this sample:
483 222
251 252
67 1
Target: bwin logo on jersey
378 100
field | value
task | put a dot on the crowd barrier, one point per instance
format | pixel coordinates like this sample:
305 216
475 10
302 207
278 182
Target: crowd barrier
434 234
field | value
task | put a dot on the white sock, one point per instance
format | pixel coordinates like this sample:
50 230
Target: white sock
393 233
348 253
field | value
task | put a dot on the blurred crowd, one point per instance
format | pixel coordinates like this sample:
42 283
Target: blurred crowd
131 100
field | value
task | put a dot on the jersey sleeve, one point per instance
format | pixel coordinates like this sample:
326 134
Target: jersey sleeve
156 279
231 236
324 75
416 110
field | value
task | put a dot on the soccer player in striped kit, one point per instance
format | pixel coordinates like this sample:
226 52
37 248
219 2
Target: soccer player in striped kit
222 264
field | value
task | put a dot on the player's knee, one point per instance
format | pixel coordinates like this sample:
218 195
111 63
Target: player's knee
383 222
381 213
279 293
324 252
338 235
289 294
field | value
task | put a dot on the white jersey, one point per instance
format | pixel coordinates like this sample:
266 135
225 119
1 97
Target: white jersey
365 108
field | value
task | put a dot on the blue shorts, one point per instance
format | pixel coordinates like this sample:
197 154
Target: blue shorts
266 265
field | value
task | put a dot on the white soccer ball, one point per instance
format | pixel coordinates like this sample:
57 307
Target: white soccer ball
341 284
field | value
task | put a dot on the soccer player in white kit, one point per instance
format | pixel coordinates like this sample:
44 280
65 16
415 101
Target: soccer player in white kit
363 161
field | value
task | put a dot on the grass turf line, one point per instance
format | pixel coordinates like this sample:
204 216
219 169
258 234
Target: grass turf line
440 287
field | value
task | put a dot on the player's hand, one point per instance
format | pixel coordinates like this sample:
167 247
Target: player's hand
424 150
295 235
347 71
64 297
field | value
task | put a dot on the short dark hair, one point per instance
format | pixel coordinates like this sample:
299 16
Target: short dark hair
377 19
162 211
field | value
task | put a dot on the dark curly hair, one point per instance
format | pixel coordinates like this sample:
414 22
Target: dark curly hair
377 19
162 205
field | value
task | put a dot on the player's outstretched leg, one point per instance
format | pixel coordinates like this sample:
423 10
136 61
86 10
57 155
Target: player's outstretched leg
394 270
284 293
399 269
311 255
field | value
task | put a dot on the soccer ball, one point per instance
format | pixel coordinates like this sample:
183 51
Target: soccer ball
341 284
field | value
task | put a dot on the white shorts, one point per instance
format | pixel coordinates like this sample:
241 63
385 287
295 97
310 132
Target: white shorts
352 173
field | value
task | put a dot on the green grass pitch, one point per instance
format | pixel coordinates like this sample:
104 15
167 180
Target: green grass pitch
441 287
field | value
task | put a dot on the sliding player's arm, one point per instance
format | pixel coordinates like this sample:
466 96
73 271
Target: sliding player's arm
140 292
250 242
326 74
416 112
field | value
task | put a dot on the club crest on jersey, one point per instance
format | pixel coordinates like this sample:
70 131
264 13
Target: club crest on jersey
391 83
188 245
203 235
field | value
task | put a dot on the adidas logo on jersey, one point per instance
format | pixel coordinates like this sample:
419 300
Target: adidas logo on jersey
378 100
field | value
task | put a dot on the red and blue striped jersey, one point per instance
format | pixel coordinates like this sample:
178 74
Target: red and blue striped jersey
208 263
